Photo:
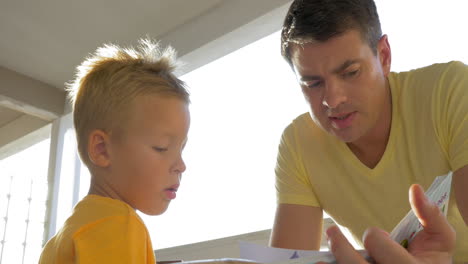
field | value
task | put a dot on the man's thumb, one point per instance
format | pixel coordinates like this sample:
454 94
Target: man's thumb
428 213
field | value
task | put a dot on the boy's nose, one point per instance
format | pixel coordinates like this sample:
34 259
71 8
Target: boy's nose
180 166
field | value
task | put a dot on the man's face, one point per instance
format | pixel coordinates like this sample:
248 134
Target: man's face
345 84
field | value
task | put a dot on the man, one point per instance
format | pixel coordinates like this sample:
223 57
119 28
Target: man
370 133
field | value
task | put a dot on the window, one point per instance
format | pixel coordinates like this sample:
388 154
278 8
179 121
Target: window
240 105
423 32
23 194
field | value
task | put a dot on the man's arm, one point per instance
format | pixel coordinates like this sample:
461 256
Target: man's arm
460 184
297 227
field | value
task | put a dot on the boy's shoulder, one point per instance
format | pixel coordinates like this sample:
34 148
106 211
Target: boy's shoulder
94 207
93 215
95 221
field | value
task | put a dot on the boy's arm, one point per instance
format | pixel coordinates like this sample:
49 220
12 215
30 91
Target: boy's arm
460 184
297 227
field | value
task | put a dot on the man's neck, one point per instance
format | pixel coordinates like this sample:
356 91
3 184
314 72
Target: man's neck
370 148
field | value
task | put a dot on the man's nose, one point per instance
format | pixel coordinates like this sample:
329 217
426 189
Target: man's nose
334 95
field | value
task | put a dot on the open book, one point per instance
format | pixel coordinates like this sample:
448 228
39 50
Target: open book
403 233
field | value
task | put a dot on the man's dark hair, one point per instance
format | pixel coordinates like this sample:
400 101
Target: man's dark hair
319 20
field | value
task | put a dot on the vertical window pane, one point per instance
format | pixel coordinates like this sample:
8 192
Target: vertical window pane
67 178
85 180
23 195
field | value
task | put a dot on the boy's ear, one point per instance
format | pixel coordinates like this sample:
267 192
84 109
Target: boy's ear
98 148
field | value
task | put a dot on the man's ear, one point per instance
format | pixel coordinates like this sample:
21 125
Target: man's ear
99 148
385 54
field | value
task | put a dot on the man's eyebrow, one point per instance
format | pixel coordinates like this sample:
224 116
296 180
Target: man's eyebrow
339 69
310 78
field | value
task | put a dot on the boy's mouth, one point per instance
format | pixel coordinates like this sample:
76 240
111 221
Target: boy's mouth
171 192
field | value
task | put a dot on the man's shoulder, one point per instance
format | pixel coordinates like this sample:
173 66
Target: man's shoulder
302 121
441 69
303 133
435 70
423 84
444 78
302 125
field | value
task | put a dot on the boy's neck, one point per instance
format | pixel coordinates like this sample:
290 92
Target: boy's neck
101 188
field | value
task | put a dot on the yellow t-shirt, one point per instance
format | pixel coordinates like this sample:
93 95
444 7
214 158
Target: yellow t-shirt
100 230
428 138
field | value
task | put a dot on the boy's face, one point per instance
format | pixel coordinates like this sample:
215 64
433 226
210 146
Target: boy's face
146 159
344 83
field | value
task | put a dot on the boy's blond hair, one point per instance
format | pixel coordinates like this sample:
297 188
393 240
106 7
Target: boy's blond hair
107 82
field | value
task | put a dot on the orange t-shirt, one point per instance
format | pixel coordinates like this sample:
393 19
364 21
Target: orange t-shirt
100 230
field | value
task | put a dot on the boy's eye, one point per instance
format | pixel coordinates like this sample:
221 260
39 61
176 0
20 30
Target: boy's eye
159 149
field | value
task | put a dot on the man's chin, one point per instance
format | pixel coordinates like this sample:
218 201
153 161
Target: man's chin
346 137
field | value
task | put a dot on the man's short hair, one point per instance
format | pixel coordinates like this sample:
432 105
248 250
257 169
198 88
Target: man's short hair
309 21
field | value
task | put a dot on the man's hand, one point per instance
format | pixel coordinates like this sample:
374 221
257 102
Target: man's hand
434 244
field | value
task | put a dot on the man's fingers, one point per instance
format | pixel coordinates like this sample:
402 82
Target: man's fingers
428 213
341 248
431 218
383 249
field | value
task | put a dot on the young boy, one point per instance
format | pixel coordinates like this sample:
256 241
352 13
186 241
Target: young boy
131 118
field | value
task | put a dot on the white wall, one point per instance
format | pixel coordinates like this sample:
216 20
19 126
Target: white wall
227 247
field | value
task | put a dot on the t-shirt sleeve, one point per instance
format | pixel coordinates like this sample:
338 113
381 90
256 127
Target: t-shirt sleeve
451 113
117 239
292 183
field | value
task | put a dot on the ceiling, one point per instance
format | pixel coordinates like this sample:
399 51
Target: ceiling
41 43
46 39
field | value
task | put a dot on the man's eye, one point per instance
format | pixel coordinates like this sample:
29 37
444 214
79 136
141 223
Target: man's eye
159 149
350 74
313 84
